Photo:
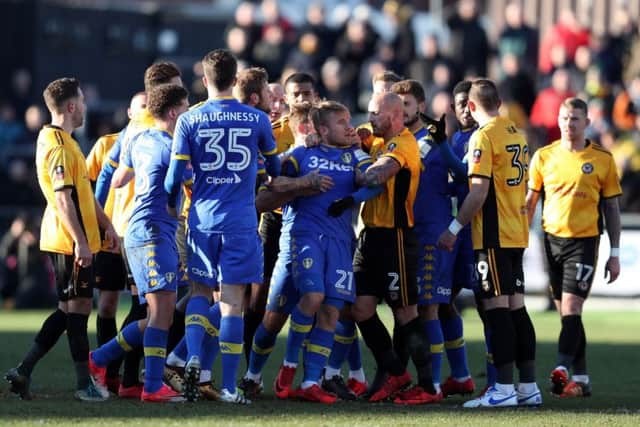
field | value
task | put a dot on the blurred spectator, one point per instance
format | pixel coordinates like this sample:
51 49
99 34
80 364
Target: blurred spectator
316 23
333 82
518 39
270 52
599 120
567 34
469 47
516 88
27 272
21 85
544 113
421 68
238 42
403 44
308 54
353 48
627 106
441 81
271 17
11 129
34 119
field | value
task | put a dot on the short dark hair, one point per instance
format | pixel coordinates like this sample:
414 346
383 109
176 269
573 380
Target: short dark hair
59 91
250 81
320 112
160 73
463 86
163 97
300 112
300 77
485 93
386 76
577 104
220 68
409 87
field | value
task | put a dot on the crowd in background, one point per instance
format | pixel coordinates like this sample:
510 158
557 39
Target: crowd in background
343 47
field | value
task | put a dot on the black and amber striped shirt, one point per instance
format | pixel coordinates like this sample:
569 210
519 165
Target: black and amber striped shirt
60 164
499 152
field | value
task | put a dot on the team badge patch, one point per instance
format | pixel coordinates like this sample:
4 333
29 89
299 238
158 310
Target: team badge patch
391 147
169 277
346 158
477 154
59 172
587 168
307 263
583 286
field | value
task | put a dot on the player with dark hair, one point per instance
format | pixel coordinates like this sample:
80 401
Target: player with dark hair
221 138
156 74
70 234
150 243
578 181
432 211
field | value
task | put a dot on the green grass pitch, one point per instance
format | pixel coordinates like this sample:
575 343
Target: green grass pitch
613 359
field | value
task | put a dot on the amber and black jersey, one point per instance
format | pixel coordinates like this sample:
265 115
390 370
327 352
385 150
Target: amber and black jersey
573 184
499 152
282 134
393 208
97 156
61 165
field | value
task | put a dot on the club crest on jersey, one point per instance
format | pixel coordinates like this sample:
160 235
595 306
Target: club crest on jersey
346 158
477 154
391 147
169 276
587 168
307 263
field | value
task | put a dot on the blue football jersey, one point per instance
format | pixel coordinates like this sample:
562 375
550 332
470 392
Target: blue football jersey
148 155
310 214
433 201
460 146
222 138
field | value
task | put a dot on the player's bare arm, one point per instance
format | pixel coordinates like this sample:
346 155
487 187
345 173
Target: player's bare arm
531 202
612 220
122 176
67 214
472 204
282 189
380 172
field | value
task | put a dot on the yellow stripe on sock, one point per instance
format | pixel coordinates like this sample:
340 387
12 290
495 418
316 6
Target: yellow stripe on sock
155 352
261 351
197 319
303 329
315 348
457 343
341 339
123 343
436 348
230 348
